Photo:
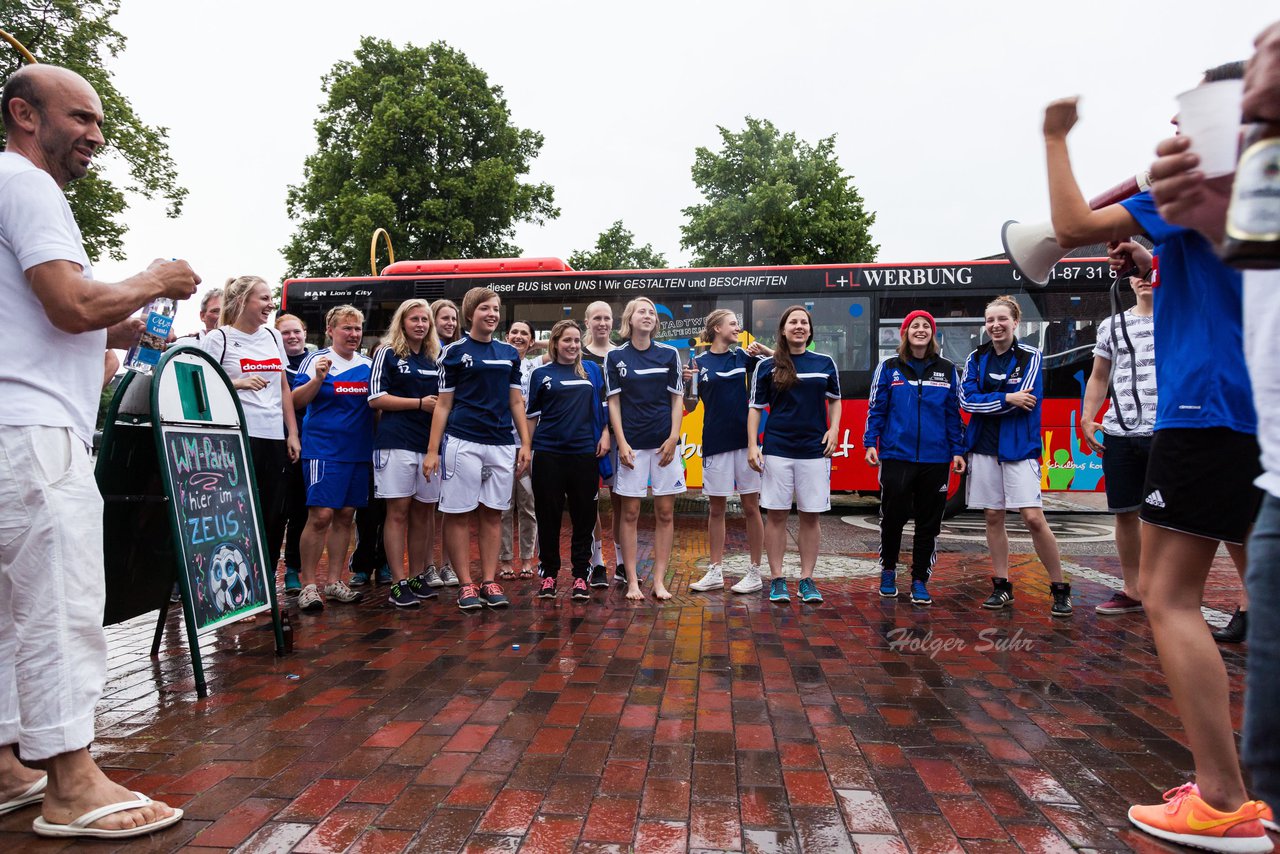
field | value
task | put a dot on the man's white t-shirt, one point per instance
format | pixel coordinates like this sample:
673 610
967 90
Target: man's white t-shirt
48 377
1261 323
260 354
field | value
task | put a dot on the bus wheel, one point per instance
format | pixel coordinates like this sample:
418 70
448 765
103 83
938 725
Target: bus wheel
955 498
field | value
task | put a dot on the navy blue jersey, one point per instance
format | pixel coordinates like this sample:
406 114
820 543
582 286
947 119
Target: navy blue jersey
414 376
722 387
481 376
339 423
565 405
646 379
797 416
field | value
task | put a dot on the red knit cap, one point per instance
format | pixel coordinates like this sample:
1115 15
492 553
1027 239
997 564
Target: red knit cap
902 330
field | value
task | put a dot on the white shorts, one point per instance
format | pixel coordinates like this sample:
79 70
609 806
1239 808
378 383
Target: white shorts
472 474
665 480
727 473
993 485
806 482
397 473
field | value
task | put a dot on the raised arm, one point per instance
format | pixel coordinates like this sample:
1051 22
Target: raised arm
1074 223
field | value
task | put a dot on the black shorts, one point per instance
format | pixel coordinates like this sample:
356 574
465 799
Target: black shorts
1200 482
1124 468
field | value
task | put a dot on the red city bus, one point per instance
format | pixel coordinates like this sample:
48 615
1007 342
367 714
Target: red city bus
856 308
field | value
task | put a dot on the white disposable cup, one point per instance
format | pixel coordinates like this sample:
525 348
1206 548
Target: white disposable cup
1209 116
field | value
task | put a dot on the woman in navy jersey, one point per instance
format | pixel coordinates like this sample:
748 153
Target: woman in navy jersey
596 344
444 319
481 411
252 353
802 390
403 388
294 334
723 373
564 397
520 336
643 378
337 442
1002 389
914 434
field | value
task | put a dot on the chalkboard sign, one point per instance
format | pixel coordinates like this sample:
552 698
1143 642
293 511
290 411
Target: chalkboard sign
213 500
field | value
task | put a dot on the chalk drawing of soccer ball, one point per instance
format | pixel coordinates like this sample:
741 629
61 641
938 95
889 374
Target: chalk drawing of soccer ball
229 578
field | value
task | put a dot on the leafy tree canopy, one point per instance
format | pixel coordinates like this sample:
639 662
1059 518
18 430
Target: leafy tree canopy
616 249
78 34
414 140
774 199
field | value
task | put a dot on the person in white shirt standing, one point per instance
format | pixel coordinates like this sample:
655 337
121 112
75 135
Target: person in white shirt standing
53 651
1130 347
252 353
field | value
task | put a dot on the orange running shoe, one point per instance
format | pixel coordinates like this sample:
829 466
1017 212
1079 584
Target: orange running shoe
1186 819
1267 817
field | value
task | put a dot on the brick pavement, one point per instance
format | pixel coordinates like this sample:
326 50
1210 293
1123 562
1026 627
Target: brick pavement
712 722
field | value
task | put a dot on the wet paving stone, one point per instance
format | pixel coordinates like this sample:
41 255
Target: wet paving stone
712 722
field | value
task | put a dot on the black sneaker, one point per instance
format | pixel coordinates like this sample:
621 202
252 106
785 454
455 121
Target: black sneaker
599 576
1001 596
1235 630
1061 593
580 591
547 590
402 597
620 574
421 587
491 594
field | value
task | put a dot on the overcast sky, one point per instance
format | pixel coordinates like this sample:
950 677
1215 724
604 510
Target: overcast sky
936 106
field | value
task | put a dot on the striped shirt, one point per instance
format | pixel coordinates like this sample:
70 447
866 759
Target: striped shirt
1140 412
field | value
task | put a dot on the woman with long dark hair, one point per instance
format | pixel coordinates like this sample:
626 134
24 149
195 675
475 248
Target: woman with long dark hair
802 390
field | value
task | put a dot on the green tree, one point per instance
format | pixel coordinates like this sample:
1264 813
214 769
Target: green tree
774 199
78 34
414 140
616 249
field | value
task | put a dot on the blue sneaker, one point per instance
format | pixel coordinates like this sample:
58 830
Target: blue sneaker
920 594
358 579
292 584
888 584
809 591
778 590
491 594
384 575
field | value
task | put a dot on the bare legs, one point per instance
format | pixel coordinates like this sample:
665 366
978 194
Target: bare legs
716 527
325 526
663 534
1129 549
1042 538
457 532
412 522
1171 580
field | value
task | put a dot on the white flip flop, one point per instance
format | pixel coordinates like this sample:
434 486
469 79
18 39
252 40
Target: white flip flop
80 826
30 796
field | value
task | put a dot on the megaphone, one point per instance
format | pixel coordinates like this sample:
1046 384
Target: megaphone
1034 249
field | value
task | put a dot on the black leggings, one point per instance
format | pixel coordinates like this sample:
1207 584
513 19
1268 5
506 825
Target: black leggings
907 490
295 511
270 470
557 478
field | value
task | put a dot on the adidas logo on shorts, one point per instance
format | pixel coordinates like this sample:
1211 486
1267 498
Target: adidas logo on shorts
1155 499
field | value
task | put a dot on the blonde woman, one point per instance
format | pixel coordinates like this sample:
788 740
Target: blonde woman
724 371
252 353
444 319
337 434
404 388
645 390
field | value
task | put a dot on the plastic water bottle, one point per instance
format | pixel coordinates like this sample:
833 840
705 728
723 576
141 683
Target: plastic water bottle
691 387
144 354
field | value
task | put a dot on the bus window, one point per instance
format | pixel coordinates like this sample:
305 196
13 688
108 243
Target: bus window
681 319
841 326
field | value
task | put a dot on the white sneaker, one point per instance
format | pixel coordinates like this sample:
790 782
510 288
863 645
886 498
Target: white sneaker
341 592
448 576
750 582
309 599
713 580
432 577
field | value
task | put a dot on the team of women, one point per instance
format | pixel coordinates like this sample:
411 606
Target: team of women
455 424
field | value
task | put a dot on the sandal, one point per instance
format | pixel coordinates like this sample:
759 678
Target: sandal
526 572
506 573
